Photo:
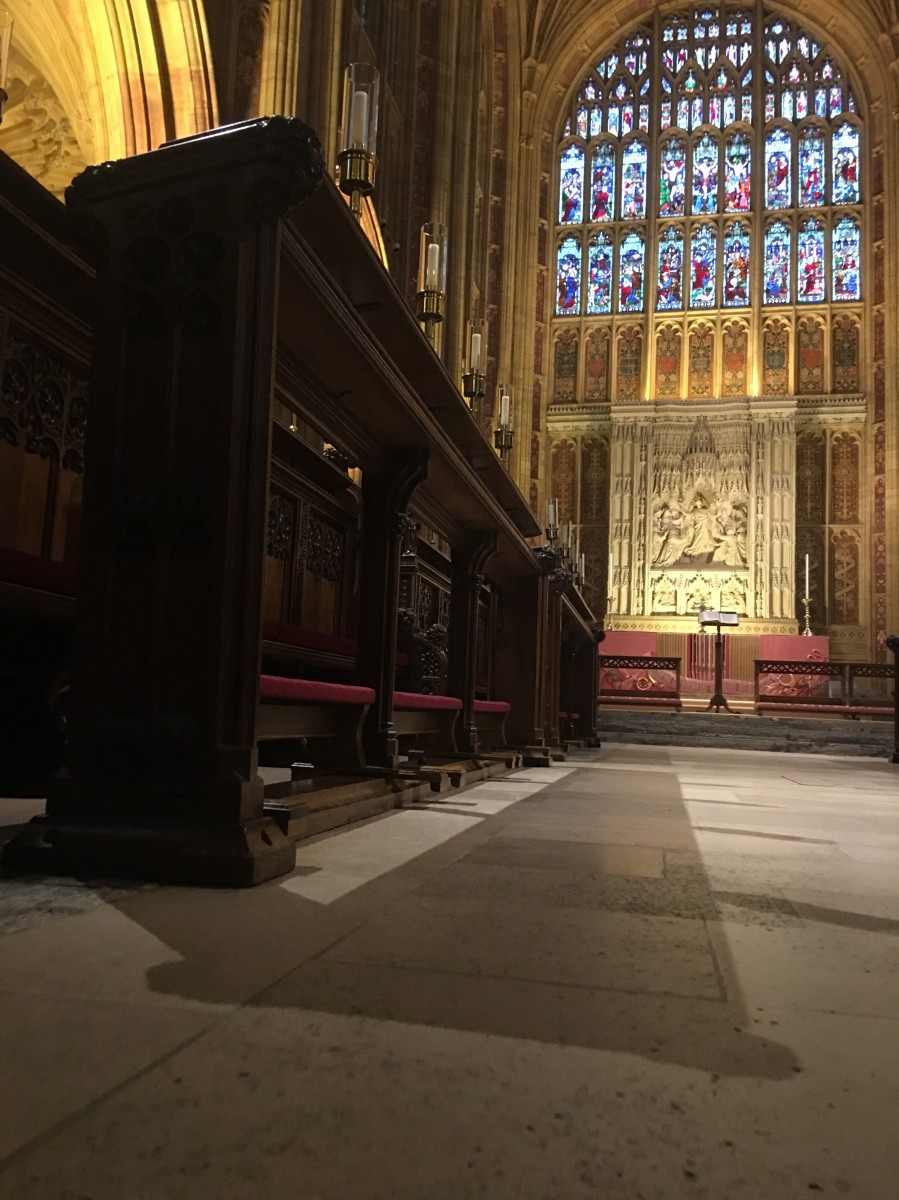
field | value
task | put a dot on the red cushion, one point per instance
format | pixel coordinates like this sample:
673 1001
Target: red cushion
573 716
415 700
492 706
310 691
30 570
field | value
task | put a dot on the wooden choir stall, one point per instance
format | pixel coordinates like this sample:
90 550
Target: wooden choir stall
298 549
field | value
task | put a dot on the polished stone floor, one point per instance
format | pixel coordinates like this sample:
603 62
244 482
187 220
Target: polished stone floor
645 973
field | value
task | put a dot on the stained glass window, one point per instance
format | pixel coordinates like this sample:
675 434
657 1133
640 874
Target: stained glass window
670 292
633 181
811 168
778 289
568 301
571 208
846 248
599 274
602 187
673 177
845 165
690 91
703 266
736 265
810 263
705 175
778 161
631 274
737 174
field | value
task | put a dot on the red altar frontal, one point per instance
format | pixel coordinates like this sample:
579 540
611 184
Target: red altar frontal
694 669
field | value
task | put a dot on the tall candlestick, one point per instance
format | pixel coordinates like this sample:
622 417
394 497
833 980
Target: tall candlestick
505 410
806 577
359 119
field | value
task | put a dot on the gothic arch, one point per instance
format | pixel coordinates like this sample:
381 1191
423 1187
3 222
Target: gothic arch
126 75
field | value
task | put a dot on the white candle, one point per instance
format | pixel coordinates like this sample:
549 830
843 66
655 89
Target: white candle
806 577
432 263
550 514
609 585
475 354
582 559
359 119
505 409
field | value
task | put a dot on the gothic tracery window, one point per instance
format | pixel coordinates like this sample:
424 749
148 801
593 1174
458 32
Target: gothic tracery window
712 160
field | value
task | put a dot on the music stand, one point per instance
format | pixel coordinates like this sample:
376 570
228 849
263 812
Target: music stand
729 620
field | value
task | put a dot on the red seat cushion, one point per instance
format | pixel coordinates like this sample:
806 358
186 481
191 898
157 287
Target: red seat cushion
414 700
30 570
310 691
492 706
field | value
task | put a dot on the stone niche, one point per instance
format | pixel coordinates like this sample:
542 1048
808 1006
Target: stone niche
703 509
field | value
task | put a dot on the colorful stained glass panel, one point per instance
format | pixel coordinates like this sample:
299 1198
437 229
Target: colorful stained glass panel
602 186
673 178
568 298
633 181
599 274
736 265
705 176
737 174
810 266
778 173
631 274
670 291
845 165
571 195
846 250
811 169
703 267
778 282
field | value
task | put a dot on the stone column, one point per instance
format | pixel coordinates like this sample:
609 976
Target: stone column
162 781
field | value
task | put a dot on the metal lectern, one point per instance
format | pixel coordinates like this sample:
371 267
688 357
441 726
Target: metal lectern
718 619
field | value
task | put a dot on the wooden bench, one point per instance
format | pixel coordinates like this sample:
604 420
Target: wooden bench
425 722
490 722
308 719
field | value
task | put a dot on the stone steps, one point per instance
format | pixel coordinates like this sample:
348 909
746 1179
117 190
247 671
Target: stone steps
801 735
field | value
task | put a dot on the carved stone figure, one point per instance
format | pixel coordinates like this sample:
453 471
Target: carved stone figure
664 595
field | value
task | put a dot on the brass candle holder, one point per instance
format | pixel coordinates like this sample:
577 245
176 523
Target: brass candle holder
474 381
357 160
431 295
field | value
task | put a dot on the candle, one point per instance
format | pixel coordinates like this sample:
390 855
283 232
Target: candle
505 406
582 559
609 581
550 514
806 578
359 118
432 264
474 354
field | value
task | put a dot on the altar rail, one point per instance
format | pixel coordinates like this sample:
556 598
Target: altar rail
845 689
640 680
